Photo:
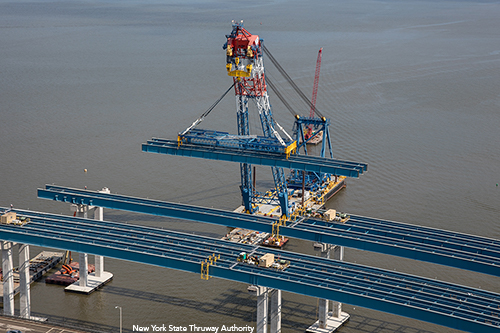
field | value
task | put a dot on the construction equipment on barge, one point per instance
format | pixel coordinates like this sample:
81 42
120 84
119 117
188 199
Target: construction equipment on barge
312 180
68 274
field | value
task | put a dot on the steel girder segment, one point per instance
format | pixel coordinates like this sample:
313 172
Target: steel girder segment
402 294
443 247
298 162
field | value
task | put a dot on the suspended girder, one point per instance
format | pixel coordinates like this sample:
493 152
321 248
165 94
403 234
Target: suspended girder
424 299
298 162
443 247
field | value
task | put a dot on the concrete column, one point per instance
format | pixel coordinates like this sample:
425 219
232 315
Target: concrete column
99 215
323 303
24 281
8 279
262 309
84 269
99 260
338 254
99 265
81 211
322 312
275 311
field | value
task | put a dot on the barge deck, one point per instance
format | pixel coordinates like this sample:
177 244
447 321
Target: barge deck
310 205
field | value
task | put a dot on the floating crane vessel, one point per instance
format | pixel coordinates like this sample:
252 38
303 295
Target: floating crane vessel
312 180
298 193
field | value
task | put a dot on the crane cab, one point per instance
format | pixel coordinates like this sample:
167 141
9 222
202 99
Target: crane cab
242 49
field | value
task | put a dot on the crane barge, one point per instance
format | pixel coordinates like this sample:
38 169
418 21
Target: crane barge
295 195
244 63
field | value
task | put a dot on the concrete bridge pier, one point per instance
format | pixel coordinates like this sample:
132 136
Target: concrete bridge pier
99 216
88 283
83 261
268 308
24 281
82 211
262 309
329 321
275 310
8 279
99 260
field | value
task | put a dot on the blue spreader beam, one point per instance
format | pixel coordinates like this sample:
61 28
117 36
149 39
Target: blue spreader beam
443 247
419 298
232 154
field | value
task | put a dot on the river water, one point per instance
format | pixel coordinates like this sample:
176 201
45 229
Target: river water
412 88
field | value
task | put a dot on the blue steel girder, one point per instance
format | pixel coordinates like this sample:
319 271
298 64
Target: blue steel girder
213 138
298 162
443 247
424 299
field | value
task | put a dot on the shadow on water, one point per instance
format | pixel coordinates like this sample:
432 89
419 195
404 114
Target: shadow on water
372 325
296 316
76 324
243 306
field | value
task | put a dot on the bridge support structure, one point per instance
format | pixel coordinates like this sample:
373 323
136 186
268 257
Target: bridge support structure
268 308
329 321
8 279
99 260
87 283
24 281
275 313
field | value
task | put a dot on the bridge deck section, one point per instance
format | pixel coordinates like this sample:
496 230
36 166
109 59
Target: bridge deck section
402 294
443 247
298 162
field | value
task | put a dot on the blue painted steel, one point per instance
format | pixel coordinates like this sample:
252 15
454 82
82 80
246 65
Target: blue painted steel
320 125
299 162
246 187
241 141
246 142
424 299
448 248
254 87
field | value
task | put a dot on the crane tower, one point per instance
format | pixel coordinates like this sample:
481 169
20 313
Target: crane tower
245 65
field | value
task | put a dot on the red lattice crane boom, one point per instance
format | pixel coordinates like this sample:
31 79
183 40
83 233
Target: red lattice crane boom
315 86
315 90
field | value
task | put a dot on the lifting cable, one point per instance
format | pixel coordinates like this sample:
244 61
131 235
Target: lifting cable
275 122
289 79
206 113
280 96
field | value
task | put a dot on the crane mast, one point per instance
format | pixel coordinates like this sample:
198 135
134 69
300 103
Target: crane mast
316 82
315 91
244 63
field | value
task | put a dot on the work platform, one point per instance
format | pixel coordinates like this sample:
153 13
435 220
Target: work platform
332 324
93 283
308 201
